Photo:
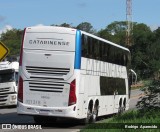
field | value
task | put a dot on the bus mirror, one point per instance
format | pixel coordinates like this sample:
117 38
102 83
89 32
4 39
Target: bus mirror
132 77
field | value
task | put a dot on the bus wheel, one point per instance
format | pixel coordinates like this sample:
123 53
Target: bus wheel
89 115
88 118
94 114
121 110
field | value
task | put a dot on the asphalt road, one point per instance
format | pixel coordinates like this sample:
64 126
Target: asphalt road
9 115
135 95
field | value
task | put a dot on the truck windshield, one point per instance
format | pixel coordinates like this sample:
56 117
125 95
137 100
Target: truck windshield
6 76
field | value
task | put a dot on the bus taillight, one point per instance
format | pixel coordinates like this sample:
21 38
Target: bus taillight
20 89
72 93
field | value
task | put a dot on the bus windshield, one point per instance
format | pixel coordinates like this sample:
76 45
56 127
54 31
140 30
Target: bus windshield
6 76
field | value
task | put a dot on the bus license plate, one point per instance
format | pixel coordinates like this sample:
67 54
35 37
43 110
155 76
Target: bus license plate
45 112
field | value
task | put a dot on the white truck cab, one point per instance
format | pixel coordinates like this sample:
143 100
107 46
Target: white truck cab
8 83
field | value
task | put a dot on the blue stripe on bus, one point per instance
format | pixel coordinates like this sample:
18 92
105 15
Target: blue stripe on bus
77 63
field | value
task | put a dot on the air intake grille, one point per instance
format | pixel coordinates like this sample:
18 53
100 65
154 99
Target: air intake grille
46 87
4 90
3 98
47 71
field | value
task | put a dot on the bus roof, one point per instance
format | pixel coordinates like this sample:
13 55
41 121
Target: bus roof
104 40
51 29
69 31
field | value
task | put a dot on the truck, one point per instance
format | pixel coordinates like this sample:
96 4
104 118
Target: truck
8 83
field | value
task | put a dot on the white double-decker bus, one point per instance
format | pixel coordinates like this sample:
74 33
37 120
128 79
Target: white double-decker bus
68 73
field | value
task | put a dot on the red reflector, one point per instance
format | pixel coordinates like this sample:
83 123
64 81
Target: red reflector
20 89
72 93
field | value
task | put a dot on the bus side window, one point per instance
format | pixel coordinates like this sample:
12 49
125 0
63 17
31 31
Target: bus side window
113 55
108 51
103 51
126 57
100 50
117 56
121 59
96 49
84 45
88 48
92 48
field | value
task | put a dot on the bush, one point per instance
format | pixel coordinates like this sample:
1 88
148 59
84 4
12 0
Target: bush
151 100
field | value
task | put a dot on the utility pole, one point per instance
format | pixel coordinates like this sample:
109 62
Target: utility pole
129 29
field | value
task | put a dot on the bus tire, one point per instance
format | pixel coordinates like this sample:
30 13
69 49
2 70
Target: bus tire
124 105
120 109
88 118
94 114
89 114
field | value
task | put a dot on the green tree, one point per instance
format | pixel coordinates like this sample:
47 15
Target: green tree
157 33
116 27
143 38
12 39
85 26
154 54
143 43
64 25
103 33
115 32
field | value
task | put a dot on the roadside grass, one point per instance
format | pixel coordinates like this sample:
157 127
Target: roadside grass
122 123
